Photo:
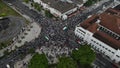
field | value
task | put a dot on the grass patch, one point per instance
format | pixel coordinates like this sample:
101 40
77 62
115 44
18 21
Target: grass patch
6 10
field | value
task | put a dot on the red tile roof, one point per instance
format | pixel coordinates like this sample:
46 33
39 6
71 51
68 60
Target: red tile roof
111 22
87 23
113 11
107 39
109 19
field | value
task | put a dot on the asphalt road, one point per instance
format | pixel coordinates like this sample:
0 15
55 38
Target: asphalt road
12 30
102 62
51 29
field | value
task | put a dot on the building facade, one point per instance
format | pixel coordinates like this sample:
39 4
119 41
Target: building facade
102 32
60 8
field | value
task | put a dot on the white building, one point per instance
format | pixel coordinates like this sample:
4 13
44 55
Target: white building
102 32
61 8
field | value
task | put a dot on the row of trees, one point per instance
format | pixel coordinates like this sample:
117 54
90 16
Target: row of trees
39 8
90 2
26 1
5 43
83 57
36 6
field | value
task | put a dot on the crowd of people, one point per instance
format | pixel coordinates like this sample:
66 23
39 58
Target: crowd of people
53 52
53 38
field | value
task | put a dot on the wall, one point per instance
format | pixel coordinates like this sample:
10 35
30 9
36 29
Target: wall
99 46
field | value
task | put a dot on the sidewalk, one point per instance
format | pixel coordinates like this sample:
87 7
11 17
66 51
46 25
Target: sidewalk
28 36
23 63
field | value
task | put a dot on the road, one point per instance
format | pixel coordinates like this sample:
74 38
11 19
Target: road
51 29
102 62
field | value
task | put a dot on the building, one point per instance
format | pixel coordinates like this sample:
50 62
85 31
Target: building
61 8
102 32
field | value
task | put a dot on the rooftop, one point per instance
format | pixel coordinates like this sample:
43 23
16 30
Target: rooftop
112 22
107 39
59 5
105 27
62 5
78 1
117 7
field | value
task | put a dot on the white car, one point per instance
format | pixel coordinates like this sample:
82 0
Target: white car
8 66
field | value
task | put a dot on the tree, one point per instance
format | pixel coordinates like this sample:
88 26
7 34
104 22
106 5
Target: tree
37 6
26 1
84 55
38 61
66 62
6 52
2 45
31 50
2 14
48 14
88 3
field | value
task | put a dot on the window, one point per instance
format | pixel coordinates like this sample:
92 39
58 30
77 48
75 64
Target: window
81 31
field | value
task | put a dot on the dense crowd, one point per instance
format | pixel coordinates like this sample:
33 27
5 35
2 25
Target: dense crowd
57 38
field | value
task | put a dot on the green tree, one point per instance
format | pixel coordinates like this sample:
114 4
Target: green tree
66 62
84 55
48 14
2 14
2 45
88 3
26 1
38 61
6 52
37 6
31 50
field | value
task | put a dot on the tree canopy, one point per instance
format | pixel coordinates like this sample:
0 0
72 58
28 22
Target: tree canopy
36 6
38 61
90 2
48 14
26 1
66 62
84 55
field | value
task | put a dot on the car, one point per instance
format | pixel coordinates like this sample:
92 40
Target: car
8 66
78 41
64 28
46 38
